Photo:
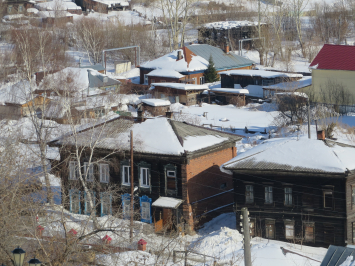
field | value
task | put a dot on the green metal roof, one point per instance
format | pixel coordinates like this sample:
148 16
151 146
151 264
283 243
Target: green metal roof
220 58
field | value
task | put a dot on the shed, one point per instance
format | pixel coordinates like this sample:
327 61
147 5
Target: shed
155 106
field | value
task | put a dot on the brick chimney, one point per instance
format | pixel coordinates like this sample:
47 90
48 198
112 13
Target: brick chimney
227 49
169 114
321 134
179 55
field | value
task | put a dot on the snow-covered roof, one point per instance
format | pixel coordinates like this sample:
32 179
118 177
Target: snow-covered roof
179 86
156 102
32 10
291 86
57 5
16 93
230 24
54 14
157 136
292 155
168 73
260 73
111 3
13 16
170 62
238 91
167 202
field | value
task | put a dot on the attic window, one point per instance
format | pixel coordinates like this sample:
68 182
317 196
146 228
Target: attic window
328 199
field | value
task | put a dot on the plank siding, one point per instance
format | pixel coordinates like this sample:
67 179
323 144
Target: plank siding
330 224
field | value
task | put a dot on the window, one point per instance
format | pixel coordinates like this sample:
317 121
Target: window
353 230
162 81
145 210
88 208
104 173
9 9
309 232
252 227
249 194
268 195
288 196
20 8
126 175
144 177
73 170
289 230
146 79
194 80
152 81
202 80
106 203
270 229
353 196
328 199
74 200
171 179
89 172
223 186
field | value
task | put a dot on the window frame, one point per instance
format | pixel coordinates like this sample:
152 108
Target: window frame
86 205
71 195
305 225
249 199
90 174
325 192
102 195
288 196
289 223
73 173
173 169
20 7
124 183
352 196
269 194
107 173
141 183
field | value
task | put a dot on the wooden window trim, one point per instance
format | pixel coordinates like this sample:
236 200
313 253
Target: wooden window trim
308 224
250 192
102 167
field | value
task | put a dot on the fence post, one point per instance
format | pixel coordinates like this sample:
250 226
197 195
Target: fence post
174 256
185 264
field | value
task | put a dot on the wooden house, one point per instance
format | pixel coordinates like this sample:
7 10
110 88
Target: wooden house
176 171
303 84
188 65
102 6
155 107
187 94
255 80
301 191
223 33
17 6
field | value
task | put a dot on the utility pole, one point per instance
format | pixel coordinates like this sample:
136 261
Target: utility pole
132 191
246 233
309 120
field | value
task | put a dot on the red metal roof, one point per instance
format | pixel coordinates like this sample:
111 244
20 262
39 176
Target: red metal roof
337 57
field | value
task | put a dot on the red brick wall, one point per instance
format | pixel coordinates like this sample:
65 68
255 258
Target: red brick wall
203 179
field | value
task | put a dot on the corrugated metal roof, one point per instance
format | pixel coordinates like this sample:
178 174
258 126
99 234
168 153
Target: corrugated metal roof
337 255
337 57
220 58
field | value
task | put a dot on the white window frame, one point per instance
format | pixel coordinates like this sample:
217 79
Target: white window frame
124 170
269 195
104 173
142 183
73 170
202 80
90 173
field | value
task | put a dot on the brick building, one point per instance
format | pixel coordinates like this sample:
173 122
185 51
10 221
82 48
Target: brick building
176 170
188 65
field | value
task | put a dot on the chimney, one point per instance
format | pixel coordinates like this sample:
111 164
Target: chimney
227 49
169 114
140 117
321 134
179 55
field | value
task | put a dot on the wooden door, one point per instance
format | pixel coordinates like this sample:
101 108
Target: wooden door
167 218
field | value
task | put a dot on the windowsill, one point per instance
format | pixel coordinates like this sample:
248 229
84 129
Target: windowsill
145 187
126 184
